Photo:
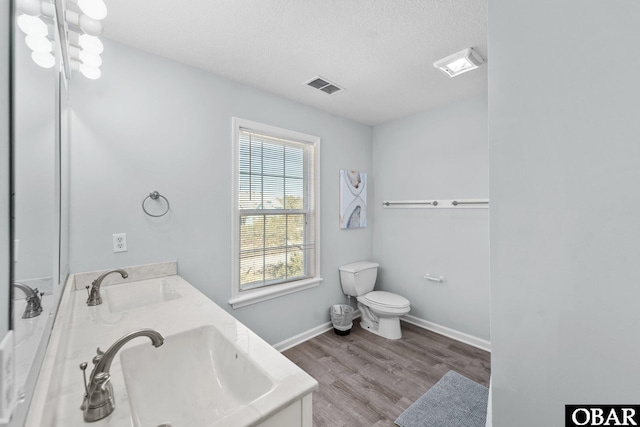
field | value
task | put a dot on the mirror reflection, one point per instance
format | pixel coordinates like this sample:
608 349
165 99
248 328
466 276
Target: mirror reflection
35 228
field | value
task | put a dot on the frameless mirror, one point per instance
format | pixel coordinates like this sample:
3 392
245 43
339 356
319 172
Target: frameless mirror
34 228
38 268
5 108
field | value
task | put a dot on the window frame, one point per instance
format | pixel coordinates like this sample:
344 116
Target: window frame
252 296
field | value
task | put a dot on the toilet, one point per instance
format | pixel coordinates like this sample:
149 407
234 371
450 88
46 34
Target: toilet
380 310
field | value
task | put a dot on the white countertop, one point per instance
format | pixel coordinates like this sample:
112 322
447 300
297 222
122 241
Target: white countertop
80 329
28 337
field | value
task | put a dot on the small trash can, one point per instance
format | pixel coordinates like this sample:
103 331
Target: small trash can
342 318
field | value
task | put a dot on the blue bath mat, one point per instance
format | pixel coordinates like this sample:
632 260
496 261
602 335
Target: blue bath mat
454 401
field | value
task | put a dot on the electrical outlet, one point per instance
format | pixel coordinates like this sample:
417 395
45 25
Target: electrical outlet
120 242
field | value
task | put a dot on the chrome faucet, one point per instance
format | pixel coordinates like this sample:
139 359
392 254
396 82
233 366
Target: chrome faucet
98 399
94 294
34 303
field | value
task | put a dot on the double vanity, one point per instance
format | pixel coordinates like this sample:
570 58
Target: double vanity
168 356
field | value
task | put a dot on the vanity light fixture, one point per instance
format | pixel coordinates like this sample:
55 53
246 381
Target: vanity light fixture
90 44
460 62
94 9
39 43
84 25
32 26
43 59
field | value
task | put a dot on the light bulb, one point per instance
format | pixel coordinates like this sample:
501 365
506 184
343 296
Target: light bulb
32 25
94 9
90 59
43 59
92 73
30 7
90 26
91 44
39 43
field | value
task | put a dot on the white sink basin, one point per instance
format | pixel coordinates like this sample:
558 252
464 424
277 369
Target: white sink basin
195 379
129 296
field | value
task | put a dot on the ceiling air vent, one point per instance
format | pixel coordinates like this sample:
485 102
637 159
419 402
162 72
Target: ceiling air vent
324 85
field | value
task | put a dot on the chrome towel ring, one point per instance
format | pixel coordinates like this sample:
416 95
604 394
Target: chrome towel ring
155 196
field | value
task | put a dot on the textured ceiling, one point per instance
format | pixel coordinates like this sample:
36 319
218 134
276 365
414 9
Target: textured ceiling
380 51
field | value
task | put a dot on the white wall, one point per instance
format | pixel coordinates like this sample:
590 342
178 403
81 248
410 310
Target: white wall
565 229
437 154
152 124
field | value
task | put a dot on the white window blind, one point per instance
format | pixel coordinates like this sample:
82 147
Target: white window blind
276 210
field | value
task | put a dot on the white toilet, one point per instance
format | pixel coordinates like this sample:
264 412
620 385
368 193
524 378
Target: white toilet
380 310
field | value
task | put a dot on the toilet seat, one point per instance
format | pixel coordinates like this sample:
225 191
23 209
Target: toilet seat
384 301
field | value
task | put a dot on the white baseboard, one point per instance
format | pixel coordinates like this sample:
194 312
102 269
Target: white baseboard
300 338
448 332
425 324
307 335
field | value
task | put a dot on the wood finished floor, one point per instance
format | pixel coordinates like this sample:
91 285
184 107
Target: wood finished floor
366 380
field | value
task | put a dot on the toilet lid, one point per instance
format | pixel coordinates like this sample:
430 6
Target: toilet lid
387 299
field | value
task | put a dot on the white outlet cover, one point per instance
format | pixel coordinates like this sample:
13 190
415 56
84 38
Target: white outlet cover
8 395
120 242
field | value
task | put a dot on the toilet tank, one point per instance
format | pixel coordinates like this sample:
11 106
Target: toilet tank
358 278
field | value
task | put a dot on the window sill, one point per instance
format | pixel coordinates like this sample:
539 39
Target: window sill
275 291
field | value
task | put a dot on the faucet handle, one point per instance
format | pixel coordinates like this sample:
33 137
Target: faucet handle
98 356
102 380
38 296
83 368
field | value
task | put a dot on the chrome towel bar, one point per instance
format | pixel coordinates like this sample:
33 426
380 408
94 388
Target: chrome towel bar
456 203
416 204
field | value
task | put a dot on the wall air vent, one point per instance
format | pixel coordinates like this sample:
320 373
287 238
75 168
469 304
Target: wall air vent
324 85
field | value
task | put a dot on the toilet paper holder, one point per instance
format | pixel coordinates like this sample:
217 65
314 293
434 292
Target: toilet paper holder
438 279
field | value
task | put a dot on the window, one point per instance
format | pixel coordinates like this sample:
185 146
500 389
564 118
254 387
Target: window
275 246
